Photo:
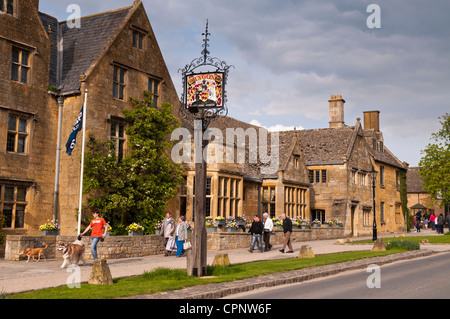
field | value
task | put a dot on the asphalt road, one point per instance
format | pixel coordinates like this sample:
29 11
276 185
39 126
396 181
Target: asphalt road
424 278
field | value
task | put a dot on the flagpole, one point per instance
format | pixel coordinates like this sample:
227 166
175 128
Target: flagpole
82 162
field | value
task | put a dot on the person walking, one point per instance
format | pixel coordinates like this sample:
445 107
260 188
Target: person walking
418 220
97 225
287 230
268 228
180 235
167 230
256 231
433 221
440 224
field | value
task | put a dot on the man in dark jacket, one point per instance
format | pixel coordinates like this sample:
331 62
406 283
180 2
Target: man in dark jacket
256 230
418 220
287 229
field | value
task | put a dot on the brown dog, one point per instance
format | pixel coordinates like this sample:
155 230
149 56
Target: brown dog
72 253
31 252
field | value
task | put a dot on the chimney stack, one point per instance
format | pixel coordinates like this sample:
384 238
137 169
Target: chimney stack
372 120
336 111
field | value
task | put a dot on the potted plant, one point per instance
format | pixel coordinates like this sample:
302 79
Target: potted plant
240 220
305 223
316 223
295 223
189 228
51 228
247 227
134 229
278 223
108 230
232 227
158 227
220 220
210 227
338 223
328 223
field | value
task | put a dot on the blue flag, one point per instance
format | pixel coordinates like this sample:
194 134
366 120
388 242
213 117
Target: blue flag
70 145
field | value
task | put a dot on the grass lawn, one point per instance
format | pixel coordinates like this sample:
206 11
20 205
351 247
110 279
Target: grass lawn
163 279
438 239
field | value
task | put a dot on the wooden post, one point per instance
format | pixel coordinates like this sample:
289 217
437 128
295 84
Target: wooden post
196 258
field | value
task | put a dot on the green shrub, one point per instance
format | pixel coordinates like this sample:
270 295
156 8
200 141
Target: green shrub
402 244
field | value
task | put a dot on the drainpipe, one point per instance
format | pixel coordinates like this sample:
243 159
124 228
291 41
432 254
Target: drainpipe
60 100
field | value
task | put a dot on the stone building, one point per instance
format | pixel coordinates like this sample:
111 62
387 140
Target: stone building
418 198
321 174
47 65
113 55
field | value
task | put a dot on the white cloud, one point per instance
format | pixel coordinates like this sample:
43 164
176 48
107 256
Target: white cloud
290 56
276 127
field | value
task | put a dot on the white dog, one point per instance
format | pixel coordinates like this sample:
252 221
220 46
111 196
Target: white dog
72 253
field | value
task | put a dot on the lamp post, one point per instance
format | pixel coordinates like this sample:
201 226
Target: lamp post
203 99
373 175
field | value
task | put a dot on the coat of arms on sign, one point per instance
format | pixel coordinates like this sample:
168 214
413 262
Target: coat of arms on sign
205 90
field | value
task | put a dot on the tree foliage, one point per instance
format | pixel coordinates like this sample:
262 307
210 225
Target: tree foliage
435 163
138 187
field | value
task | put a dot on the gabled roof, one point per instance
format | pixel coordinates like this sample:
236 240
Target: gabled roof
82 47
413 181
325 146
386 155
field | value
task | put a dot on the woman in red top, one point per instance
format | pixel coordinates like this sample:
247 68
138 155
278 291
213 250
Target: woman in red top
97 225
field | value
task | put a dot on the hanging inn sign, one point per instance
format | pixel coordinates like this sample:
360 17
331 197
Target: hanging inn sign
204 81
204 90
204 99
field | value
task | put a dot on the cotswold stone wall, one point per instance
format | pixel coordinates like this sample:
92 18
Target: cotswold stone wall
115 247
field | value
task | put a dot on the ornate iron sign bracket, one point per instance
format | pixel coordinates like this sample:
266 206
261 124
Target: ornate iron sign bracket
205 113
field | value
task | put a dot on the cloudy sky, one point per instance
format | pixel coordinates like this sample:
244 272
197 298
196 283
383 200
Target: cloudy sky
290 56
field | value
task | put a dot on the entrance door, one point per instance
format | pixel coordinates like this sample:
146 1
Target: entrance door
352 220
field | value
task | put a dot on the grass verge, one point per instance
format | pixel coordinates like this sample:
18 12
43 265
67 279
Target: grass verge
164 279
442 239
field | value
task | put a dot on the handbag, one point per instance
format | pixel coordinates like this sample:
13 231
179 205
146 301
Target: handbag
187 245
171 244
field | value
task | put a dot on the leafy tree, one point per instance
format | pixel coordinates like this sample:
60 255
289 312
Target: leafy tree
435 163
138 187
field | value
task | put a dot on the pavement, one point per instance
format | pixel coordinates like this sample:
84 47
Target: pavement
20 276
